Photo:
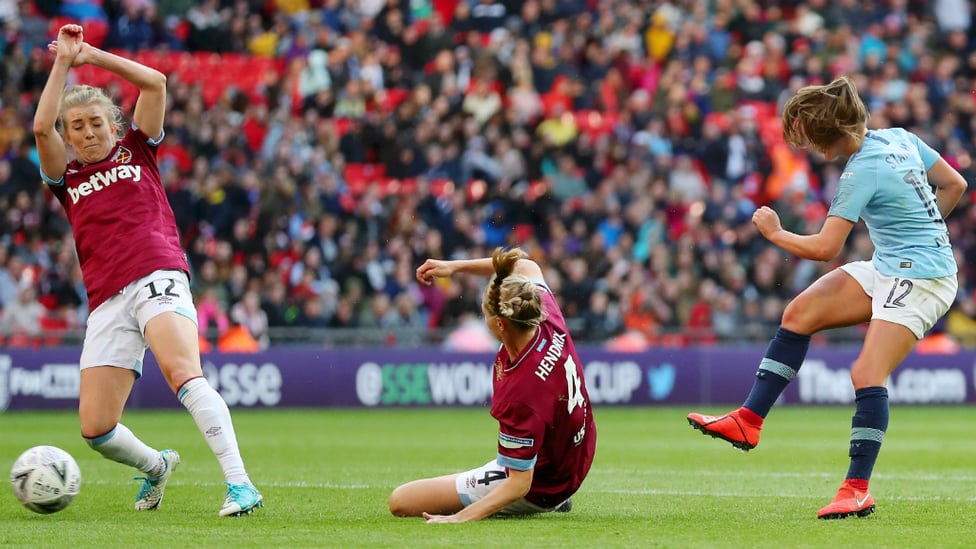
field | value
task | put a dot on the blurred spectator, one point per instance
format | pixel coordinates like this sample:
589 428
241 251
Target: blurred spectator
23 315
275 306
11 274
601 320
315 76
482 102
470 336
961 322
207 31
211 314
248 314
134 28
237 339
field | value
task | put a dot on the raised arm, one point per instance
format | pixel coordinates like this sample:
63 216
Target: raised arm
434 268
51 150
151 104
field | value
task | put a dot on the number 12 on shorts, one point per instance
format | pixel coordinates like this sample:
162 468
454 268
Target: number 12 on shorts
167 291
899 291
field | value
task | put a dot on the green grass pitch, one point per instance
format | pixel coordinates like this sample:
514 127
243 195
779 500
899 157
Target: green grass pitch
326 474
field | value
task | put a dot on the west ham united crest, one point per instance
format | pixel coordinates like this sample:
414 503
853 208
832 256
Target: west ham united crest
122 156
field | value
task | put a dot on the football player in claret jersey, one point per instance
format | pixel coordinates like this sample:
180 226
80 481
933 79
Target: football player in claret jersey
546 433
903 190
134 269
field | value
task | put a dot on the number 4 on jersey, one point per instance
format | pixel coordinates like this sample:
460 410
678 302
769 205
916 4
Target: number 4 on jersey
574 386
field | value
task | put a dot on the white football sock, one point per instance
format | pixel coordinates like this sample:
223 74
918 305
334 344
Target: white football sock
122 446
213 419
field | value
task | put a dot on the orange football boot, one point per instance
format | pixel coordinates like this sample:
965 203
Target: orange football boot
848 502
731 427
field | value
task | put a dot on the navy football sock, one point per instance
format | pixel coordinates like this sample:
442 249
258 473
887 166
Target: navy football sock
868 428
783 359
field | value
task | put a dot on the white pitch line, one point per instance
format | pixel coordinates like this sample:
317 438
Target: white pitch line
695 493
755 475
315 485
632 492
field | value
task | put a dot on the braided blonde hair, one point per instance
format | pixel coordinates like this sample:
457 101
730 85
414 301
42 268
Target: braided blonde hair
511 296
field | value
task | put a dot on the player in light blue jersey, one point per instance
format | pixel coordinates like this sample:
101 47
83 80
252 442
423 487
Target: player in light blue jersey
903 190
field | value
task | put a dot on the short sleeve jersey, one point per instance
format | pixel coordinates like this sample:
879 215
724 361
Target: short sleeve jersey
885 183
543 411
123 225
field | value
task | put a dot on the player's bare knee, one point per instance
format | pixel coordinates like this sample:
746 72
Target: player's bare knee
400 504
797 319
862 376
178 371
396 504
93 430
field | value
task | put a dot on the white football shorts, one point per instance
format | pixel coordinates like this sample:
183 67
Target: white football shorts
114 336
477 483
915 303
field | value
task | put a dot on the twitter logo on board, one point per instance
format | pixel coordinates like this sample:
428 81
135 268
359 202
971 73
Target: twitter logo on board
660 381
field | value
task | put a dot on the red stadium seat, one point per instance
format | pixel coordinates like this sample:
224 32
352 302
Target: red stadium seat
441 187
52 328
95 32
391 99
57 22
170 60
206 60
341 126
21 341
360 176
391 185
595 122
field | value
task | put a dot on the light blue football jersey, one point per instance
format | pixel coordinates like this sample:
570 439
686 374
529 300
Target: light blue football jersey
886 184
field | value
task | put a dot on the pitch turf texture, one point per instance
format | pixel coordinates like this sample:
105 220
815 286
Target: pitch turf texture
326 474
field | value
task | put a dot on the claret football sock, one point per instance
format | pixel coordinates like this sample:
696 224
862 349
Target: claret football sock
783 359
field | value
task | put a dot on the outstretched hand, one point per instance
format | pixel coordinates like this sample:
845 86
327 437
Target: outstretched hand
767 221
70 45
440 519
431 269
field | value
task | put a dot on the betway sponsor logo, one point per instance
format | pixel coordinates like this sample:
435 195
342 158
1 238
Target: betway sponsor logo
819 384
104 179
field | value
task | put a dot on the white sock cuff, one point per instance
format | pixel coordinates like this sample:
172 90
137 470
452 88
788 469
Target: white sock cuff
190 387
102 439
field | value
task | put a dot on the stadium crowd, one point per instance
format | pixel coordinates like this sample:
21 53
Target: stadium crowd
317 151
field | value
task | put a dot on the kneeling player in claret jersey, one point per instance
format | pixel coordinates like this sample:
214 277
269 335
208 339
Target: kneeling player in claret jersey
546 433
